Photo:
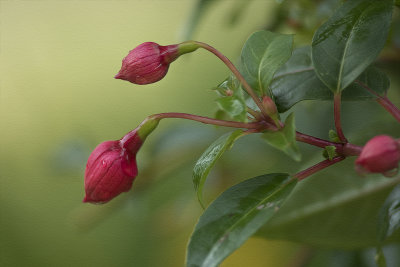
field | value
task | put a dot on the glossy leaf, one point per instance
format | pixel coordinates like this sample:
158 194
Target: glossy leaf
389 217
231 99
262 55
235 216
333 210
208 159
344 46
285 139
296 80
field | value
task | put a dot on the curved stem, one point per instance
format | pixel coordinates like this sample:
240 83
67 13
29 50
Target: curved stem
383 101
236 72
337 99
317 167
207 120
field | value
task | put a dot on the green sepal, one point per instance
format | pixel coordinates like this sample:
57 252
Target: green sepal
147 127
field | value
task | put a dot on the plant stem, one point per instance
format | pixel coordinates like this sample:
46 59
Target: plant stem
317 167
207 120
345 150
337 99
390 107
236 72
383 101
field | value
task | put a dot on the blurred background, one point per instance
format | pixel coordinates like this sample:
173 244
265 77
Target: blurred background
59 100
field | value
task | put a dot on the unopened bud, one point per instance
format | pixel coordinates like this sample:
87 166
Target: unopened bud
111 168
149 62
381 154
269 106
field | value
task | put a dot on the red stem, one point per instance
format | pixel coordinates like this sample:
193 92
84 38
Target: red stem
390 107
337 99
238 75
383 101
207 120
317 167
345 150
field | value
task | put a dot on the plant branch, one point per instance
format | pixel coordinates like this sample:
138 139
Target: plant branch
207 120
236 72
383 101
337 99
345 150
317 167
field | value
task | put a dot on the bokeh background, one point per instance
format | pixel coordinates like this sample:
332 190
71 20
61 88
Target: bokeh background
59 100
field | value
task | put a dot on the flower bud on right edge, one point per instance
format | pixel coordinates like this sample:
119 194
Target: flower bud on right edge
381 154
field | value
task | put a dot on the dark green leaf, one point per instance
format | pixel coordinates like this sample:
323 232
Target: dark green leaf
350 40
234 216
208 159
296 81
232 100
332 209
389 217
285 139
262 54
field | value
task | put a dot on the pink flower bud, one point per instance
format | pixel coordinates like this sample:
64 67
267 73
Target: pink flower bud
111 168
381 154
147 63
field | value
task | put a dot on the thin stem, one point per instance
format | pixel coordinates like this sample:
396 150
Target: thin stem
236 72
317 167
345 150
383 101
207 120
337 99
390 107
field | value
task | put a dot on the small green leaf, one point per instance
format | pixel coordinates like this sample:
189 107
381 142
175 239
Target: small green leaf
208 159
389 216
330 152
285 139
344 46
232 100
235 216
296 81
262 54
333 137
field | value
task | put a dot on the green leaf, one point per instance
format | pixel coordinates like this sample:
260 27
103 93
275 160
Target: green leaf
389 216
344 46
285 139
296 81
335 209
232 100
329 152
262 54
208 159
236 215
333 137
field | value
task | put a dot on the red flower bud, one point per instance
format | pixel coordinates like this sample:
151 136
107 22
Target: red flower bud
149 62
381 154
111 168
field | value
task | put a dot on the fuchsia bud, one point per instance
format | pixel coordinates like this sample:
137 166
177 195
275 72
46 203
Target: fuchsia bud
111 168
381 154
149 62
